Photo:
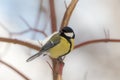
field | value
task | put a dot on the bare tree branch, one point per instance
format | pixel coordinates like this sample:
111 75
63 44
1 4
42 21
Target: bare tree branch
4 27
23 43
38 14
57 65
96 41
28 25
17 71
53 16
68 13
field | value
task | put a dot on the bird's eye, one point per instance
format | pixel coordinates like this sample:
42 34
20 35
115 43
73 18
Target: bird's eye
69 34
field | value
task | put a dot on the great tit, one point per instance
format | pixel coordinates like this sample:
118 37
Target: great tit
60 44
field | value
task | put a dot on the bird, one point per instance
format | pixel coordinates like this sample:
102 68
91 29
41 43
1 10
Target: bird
60 44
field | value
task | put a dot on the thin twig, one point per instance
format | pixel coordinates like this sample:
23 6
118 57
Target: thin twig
65 4
28 30
20 42
28 25
107 33
50 66
14 69
37 19
38 14
4 27
40 31
53 16
96 41
20 33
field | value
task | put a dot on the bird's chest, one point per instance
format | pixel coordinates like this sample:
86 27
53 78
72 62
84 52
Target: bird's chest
60 49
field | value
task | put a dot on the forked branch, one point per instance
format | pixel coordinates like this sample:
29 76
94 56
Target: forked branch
58 66
68 13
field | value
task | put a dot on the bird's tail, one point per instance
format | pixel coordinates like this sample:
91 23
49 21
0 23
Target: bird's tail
34 56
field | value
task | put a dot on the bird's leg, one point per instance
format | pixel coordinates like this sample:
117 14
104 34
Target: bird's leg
60 59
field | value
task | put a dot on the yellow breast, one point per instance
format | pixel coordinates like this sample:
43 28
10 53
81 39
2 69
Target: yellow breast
61 49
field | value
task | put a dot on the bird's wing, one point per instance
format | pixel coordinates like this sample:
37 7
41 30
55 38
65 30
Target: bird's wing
53 41
34 56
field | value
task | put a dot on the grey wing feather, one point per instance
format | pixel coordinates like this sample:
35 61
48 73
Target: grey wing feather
34 56
53 41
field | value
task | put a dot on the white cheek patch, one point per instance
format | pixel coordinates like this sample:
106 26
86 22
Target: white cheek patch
69 34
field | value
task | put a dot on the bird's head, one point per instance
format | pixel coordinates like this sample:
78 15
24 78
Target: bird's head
67 32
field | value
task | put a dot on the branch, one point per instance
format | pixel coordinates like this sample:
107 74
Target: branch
40 31
57 69
11 67
68 13
58 65
33 46
26 23
23 43
65 4
53 16
96 41
38 14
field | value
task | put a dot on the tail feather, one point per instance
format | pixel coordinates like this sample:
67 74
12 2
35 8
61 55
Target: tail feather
33 57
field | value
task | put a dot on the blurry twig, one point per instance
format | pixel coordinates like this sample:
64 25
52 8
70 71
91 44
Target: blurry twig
38 14
17 71
53 16
107 33
27 24
4 27
37 19
50 65
65 4
20 33
40 31
24 31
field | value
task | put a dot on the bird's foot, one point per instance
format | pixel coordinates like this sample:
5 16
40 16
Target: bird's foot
60 60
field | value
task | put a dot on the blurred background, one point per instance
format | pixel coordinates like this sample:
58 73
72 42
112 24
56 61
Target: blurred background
29 20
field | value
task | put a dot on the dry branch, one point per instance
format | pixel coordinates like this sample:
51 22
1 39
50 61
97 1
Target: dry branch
68 13
18 72
53 16
96 41
20 42
57 65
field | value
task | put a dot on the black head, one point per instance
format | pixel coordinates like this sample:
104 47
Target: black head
67 32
